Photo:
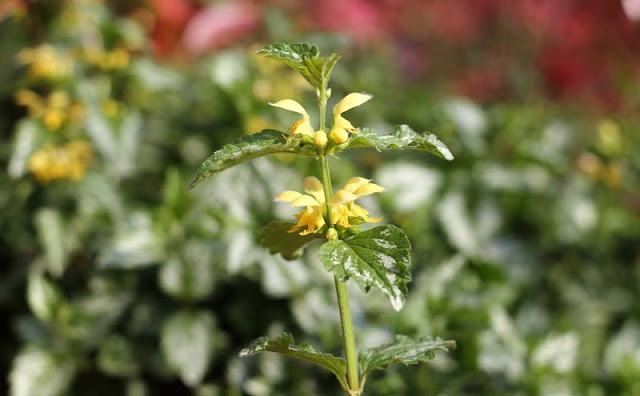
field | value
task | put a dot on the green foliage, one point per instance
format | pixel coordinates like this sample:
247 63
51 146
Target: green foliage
305 59
42 372
403 138
286 345
188 341
403 350
378 257
247 148
274 236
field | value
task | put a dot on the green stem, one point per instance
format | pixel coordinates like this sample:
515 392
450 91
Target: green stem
343 298
322 102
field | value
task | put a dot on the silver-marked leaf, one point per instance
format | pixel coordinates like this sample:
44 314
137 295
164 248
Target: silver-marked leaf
378 257
403 350
187 340
44 297
274 236
305 58
247 148
53 238
403 138
42 372
286 345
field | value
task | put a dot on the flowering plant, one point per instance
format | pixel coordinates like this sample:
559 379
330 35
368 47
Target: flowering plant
379 257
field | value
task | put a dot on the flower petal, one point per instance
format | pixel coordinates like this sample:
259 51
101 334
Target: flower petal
369 188
314 187
288 196
354 183
349 102
305 200
341 197
291 105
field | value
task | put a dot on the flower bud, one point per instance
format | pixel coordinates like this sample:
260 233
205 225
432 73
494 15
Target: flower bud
320 139
331 234
339 135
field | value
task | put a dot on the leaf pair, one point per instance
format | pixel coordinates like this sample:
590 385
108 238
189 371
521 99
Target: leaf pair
403 350
305 59
271 141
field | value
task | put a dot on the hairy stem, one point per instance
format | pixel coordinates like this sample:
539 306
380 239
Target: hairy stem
343 298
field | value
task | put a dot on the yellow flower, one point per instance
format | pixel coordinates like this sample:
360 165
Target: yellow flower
303 125
341 126
46 62
63 162
344 211
54 111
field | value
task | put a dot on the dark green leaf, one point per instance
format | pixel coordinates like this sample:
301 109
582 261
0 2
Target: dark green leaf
305 58
116 357
403 138
285 344
378 257
274 236
404 350
246 148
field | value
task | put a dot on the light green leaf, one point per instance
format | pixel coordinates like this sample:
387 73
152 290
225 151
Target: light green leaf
28 134
187 340
286 345
136 244
403 138
247 148
378 257
189 276
274 236
51 234
116 357
305 58
404 350
44 298
38 371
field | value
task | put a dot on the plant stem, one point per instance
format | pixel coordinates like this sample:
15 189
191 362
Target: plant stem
343 298
322 102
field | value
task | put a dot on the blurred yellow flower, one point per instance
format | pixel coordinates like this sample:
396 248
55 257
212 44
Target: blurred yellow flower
46 62
63 162
54 111
115 59
610 141
344 211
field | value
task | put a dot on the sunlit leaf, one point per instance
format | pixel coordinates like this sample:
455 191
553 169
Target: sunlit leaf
286 345
378 257
43 296
246 148
51 233
38 371
187 340
305 58
403 350
403 138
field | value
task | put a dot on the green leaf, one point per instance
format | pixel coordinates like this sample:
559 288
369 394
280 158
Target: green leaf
286 345
404 350
378 257
51 234
116 357
44 297
188 276
247 148
305 58
274 236
39 371
187 340
403 138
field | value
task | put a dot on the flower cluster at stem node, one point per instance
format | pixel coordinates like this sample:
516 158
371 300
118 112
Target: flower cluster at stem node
342 210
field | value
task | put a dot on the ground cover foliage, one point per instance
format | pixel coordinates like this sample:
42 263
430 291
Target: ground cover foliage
116 281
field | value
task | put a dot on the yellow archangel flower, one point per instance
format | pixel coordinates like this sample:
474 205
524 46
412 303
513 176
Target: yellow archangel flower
341 126
344 211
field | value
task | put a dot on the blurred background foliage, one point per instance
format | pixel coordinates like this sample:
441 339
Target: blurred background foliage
526 247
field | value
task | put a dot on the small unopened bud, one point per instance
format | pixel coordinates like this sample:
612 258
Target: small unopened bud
339 135
331 234
320 139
